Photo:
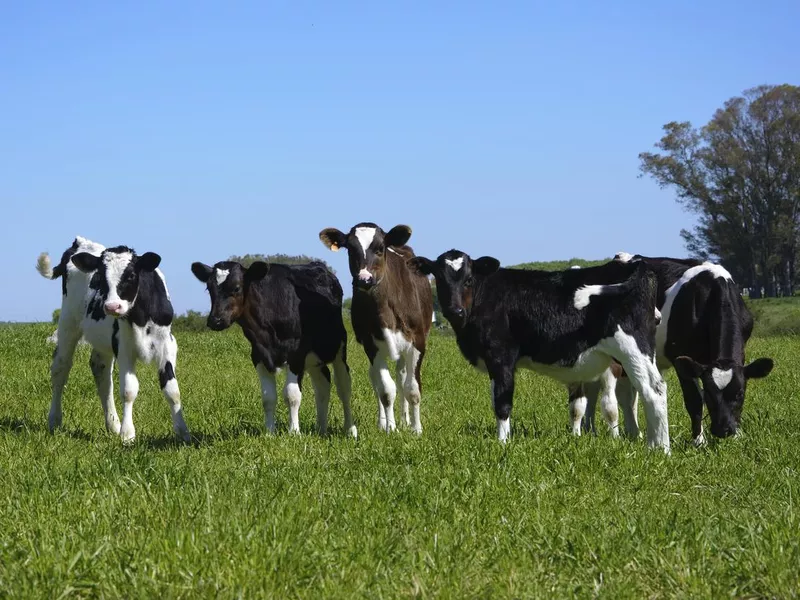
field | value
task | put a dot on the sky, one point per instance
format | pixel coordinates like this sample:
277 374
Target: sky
201 130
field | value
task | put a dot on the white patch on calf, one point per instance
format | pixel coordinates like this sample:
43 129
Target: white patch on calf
721 377
669 299
585 293
455 264
365 235
116 263
623 257
221 275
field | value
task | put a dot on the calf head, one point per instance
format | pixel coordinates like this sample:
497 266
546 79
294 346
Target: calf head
455 274
227 283
116 275
724 384
366 245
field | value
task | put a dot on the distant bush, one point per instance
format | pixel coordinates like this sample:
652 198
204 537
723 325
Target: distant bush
560 265
56 315
775 316
192 320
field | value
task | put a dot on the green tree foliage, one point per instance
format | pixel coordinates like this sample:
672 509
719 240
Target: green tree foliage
56 315
192 320
283 259
740 173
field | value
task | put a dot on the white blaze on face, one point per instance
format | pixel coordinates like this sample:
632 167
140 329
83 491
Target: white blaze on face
364 275
721 377
116 263
455 264
365 236
221 275
585 293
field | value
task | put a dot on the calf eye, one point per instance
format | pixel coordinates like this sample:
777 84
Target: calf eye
469 281
237 289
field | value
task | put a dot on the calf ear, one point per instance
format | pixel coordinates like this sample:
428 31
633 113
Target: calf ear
256 271
201 271
485 265
86 262
688 367
333 238
397 236
758 368
422 265
148 261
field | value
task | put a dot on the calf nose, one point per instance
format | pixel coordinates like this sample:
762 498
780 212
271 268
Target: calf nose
459 312
113 308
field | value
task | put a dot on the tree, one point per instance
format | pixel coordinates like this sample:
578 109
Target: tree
740 174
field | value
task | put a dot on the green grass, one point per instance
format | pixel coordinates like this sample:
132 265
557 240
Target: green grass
776 316
453 514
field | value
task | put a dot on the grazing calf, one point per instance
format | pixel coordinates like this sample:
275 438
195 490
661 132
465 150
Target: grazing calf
118 301
291 315
704 328
392 313
568 325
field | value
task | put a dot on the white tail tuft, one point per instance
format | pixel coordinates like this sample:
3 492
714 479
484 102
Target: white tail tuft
44 266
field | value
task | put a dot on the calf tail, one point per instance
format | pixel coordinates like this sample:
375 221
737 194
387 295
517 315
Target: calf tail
45 267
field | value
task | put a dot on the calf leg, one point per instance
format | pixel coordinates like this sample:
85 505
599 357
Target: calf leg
269 395
693 400
608 401
628 400
577 407
502 384
385 390
591 389
68 336
401 373
341 375
293 395
413 387
344 386
321 380
171 391
129 389
102 369
648 381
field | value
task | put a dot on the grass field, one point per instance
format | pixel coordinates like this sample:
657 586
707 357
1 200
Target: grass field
453 514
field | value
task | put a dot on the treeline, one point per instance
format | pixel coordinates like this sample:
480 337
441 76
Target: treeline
740 174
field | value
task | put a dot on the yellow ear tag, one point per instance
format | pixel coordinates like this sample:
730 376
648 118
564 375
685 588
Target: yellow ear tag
334 248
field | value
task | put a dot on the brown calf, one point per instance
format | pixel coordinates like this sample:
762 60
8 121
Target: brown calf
391 312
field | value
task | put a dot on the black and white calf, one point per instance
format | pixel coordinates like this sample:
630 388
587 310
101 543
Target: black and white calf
291 315
118 301
568 325
703 332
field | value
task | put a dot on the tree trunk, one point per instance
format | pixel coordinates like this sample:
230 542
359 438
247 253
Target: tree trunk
755 284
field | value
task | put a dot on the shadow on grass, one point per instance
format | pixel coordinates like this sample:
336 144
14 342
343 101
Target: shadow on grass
23 426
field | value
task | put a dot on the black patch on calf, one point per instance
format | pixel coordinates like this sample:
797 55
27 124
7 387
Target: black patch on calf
152 303
165 375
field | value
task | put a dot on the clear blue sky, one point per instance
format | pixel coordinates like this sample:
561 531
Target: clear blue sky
204 129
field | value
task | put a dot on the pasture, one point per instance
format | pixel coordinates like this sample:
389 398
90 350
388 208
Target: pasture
451 514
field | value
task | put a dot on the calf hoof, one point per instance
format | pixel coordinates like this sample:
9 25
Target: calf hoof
113 427
417 430
352 431
699 441
53 422
128 436
184 435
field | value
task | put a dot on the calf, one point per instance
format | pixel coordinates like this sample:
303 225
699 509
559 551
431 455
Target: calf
568 325
291 315
118 301
704 328
392 312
